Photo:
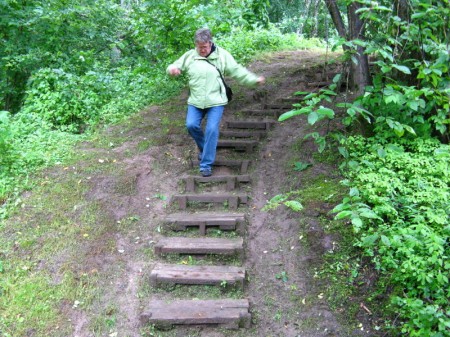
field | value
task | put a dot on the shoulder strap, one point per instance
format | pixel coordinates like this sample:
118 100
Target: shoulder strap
220 73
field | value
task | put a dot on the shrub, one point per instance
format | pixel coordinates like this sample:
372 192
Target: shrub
399 209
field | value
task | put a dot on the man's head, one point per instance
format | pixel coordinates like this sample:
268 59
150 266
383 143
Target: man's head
203 41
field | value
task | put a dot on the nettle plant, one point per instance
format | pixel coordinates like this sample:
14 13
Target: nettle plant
399 209
399 179
410 88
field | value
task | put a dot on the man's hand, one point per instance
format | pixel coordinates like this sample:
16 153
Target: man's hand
261 80
174 71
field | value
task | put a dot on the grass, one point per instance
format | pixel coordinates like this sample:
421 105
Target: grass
40 253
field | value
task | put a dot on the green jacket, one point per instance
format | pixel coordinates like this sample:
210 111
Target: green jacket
206 86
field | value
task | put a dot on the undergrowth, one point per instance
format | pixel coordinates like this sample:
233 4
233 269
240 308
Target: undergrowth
399 210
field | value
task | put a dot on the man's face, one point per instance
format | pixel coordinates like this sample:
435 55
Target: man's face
203 48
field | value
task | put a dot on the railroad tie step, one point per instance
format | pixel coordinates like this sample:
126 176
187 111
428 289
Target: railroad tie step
275 113
223 221
239 145
200 246
233 200
292 100
198 275
232 181
258 125
241 165
252 134
278 106
227 313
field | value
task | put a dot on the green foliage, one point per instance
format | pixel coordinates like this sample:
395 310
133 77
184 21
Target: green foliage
96 63
243 45
5 137
305 18
290 200
399 179
166 28
411 90
398 207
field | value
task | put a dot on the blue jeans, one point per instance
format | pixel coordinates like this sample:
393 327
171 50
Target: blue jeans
206 141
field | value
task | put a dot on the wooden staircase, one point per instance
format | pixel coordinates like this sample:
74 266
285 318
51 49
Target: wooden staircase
224 212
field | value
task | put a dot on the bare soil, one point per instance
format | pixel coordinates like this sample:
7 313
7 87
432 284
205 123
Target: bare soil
283 248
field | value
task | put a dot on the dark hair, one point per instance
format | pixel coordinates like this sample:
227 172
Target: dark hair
203 35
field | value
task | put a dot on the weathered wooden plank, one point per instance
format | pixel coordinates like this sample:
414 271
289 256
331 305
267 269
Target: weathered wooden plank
292 100
239 145
276 106
256 134
241 164
233 200
225 221
261 113
259 125
319 84
231 180
230 314
200 246
200 275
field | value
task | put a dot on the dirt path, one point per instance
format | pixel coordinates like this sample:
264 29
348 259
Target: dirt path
285 298
132 192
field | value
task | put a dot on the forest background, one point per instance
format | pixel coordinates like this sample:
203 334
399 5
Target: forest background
70 68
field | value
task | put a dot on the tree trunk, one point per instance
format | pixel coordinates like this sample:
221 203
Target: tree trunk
360 68
336 17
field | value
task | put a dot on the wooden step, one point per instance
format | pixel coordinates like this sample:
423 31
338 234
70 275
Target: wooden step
229 314
275 106
241 165
292 100
255 134
260 113
232 181
319 84
224 221
200 246
239 145
258 125
233 200
201 275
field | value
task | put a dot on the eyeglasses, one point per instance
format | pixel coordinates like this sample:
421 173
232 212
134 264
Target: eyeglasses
203 46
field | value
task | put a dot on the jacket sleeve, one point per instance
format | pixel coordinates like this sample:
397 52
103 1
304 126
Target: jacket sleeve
180 63
237 71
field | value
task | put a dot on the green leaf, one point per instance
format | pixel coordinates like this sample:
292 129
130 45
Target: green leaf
294 205
403 69
354 192
370 240
293 113
337 78
357 223
313 117
369 214
442 153
299 166
385 240
343 151
343 214
325 112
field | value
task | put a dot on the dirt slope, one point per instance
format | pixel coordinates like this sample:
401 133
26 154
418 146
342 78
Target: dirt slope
290 307
137 169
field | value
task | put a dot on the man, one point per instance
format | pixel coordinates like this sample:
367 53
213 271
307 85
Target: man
204 66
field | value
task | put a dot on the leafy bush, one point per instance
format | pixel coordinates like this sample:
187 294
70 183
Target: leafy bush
399 208
5 136
243 45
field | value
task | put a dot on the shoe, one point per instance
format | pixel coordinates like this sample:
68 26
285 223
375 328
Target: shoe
206 173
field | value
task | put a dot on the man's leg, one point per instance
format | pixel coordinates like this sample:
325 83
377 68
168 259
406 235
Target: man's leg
211 137
194 119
